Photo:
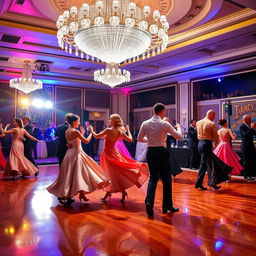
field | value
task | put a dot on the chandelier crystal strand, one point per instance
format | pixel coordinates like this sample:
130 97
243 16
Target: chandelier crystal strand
112 30
112 75
26 83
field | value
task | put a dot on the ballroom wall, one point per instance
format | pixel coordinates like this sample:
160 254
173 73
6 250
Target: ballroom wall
64 99
142 102
7 103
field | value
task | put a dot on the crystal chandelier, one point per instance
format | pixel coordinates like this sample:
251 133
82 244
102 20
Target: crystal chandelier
112 75
113 31
26 83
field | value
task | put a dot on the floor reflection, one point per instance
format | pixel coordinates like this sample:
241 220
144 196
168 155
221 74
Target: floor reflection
86 235
209 223
14 203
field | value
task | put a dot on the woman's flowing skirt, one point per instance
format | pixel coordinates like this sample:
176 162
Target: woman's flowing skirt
78 172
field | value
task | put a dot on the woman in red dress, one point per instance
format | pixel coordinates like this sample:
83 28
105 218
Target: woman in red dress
123 171
224 150
2 160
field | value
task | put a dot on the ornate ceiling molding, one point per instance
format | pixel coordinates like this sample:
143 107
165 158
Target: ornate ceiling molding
164 6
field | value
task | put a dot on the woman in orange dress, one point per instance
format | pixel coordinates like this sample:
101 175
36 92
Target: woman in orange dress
123 171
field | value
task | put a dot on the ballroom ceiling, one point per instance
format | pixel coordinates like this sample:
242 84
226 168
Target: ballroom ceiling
206 37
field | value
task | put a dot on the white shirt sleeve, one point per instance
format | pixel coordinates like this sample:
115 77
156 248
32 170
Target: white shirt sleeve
176 134
141 134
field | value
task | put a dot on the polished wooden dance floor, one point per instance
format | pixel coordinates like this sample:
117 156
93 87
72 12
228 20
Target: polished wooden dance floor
209 223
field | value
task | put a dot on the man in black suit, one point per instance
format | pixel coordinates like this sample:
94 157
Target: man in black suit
193 145
88 148
36 134
62 142
247 131
62 149
28 142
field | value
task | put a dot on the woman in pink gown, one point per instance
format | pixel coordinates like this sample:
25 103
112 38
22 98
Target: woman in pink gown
2 160
123 171
224 150
79 173
121 146
18 163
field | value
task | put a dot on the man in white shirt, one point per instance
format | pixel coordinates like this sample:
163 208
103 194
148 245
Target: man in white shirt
156 130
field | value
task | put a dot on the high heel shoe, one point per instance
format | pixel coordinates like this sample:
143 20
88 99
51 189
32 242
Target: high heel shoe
124 195
83 197
108 194
216 187
201 187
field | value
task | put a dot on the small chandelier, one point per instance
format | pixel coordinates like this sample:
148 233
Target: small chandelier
26 83
112 75
113 31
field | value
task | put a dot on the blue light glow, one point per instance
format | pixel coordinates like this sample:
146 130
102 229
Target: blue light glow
218 245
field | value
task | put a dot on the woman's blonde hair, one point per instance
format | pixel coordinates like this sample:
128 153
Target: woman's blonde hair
117 119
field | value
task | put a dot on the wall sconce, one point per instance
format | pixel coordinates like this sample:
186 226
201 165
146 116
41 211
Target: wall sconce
96 114
183 116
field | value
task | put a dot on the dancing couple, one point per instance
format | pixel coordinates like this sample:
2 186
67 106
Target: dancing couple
80 174
18 164
216 169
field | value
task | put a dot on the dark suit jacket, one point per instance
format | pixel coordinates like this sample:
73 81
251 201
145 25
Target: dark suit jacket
62 142
247 138
29 129
36 133
192 137
174 166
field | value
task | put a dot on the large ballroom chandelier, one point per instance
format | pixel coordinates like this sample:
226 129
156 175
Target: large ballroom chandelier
112 75
112 31
26 83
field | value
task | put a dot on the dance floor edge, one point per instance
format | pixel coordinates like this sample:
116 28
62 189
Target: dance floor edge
209 222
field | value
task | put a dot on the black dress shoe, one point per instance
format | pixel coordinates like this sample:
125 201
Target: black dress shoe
249 178
37 173
62 201
149 209
216 187
171 209
70 200
201 187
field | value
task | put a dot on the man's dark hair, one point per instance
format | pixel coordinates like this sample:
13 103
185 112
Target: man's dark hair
158 108
193 120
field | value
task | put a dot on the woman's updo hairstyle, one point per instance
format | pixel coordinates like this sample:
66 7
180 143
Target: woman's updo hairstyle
72 118
222 122
117 119
19 122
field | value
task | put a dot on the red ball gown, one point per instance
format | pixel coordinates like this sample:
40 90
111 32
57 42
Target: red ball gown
123 171
225 152
2 160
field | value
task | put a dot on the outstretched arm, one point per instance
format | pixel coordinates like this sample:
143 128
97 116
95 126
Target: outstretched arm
232 134
82 138
176 134
4 131
97 135
129 136
30 136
